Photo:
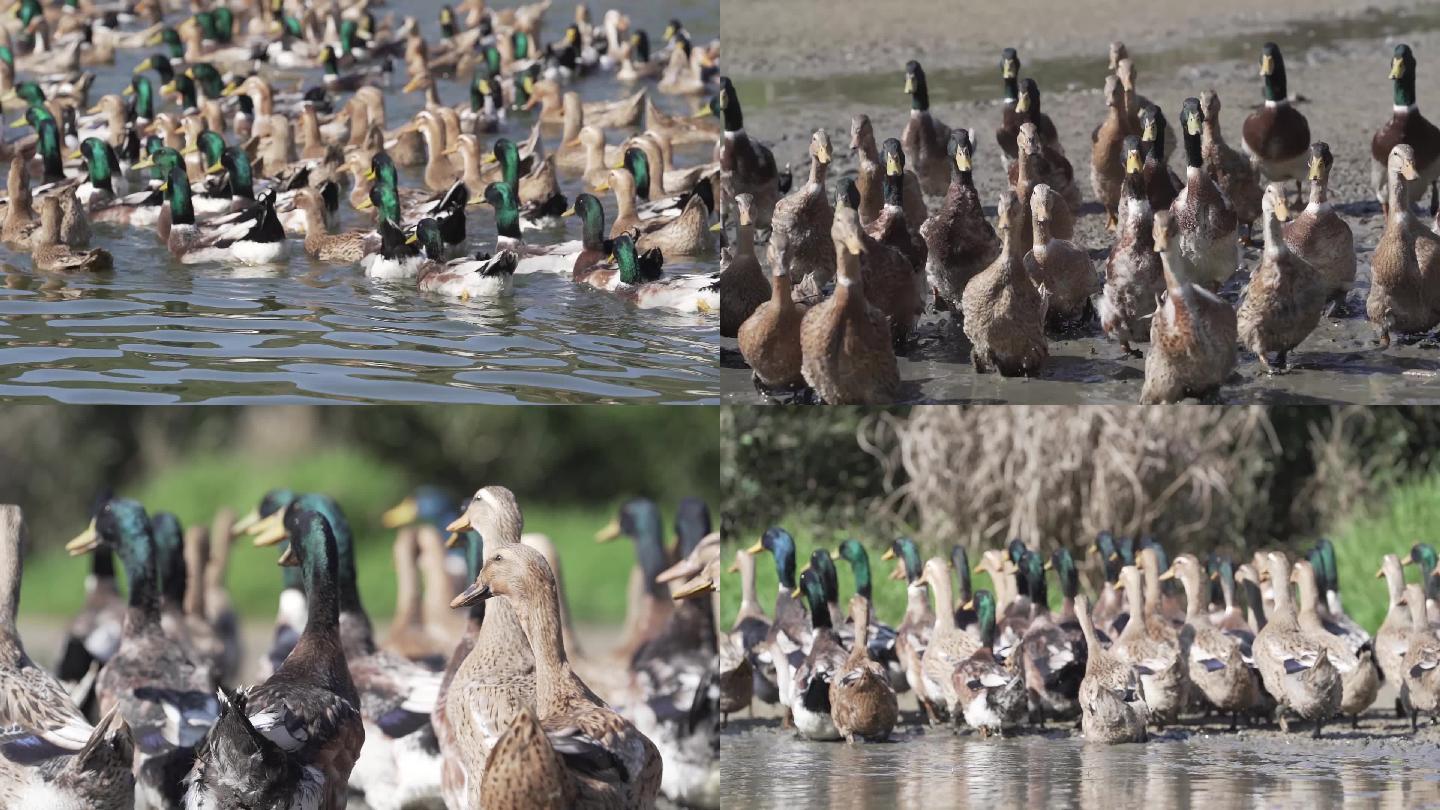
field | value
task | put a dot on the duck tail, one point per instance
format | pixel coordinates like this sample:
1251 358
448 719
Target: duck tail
111 745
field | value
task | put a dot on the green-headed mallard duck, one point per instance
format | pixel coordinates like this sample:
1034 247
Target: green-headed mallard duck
1277 136
1004 310
823 663
165 696
1217 663
296 737
991 695
1161 184
463 278
1420 683
50 754
1059 266
1405 268
846 349
1359 676
789 635
745 166
1409 127
1107 156
1284 298
1319 235
1194 332
1134 278
1207 223
1027 111
959 240
260 240
1051 661
1232 172
800 244
1152 646
183 623
1112 706
638 277
913 634
743 287
51 254
925 137
555 258
862 701
769 336
569 728
1009 129
1296 670
893 227
398 759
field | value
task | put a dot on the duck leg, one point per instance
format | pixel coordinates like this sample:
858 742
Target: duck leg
1319 724
1235 721
1414 721
1434 198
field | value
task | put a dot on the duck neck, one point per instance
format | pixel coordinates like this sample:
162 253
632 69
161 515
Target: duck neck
10 567
944 606
917 602
919 96
1194 155
1194 601
893 188
780 289
1275 90
1135 604
1012 87
1319 191
539 617
1042 231
745 239
749 603
1404 88
1209 132
819 169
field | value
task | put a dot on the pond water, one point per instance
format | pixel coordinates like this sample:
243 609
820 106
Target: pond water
156 331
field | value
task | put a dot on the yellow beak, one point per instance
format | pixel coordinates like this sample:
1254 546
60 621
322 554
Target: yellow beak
1267 65
892 166
909 85
610 532
1169 573
364 205
1192 125
269 530
1132 165
246 521
1314 169
755 549
453 540
1023 103
888 555
214 168
145 163
1397 68
459 524
401 514
85 542
962 161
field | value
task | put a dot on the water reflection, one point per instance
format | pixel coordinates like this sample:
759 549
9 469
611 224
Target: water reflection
765 768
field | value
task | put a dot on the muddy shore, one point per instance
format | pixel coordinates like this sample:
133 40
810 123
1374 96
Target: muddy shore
794 75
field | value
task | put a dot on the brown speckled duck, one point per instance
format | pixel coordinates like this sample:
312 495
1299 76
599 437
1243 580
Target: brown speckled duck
1107 159
743 286
800 226
1038 165
1004 310
924 138
959 240
770 337
868 171
1205 220
1059 266
1406 126
1230 170
1217 665
846 342
862 701
1112 708
1319 235
1193 332
1284 298
1277 135
1405 268
1133 275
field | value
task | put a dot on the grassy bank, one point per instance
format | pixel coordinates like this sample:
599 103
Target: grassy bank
595 575
1408 514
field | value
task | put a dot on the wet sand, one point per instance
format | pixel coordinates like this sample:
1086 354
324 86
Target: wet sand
793 77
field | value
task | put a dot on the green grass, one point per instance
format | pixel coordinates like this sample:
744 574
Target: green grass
1410 513
595 575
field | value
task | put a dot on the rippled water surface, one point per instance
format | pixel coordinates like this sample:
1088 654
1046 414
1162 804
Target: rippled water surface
156 331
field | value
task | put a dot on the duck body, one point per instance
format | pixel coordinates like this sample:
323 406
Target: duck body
1408 127
960 242
800 226
1004 310
1283 300
1112 703
1058 266
1134 276
1193 334
743 285
1405 268
862 701
1295 671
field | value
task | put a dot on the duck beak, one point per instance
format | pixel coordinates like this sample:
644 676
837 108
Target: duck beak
569 212
1169 573
694 589
1119 584
288 557
755 549
1022 104
1192 125
610 532
1380 574
1397 68
1267 65
888 555
471 595
189 150
909 84
93 110
892 166
245 522
269 530
1408 172
962 161
459 524
411 86
969 605
453 540
76 155
823 153
603 187
412 239
230 90
1314 169
978 569
733 569
401 514
486 160
85 542
167 88
835 555
1008 71
214 168
364 205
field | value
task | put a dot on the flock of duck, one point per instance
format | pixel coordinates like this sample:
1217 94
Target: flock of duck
1160 638
474 698
224 166
849 279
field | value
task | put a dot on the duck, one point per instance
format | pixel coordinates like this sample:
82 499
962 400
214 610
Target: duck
1217 666
290 616
1107 158
1027 111
1277 136
1109 605
745 166
870 175
912 636
1193 334
319 243
683 234
1420 686
1319 235
925 137
846 352
948 647
991 695
527 760
1050 660
1285 297
892 227
1112 703
256 241
743 285
480 276
50 254
498 677
181 617
1405 269
800 242
1008 132
1392 638
769 337
1232 171
862 700
452 776
560 257
1160 181
789 634
1059 266
1296 670
51 753
1359 676
1153 648
408 636
639 279
1123 67
747 634
1409 127
163 695
94 633
879 637
298 735
1206 220
397 762
1035 166
680 130
1004 310
960 242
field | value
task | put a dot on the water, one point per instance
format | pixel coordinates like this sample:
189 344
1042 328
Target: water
156 331
765 767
